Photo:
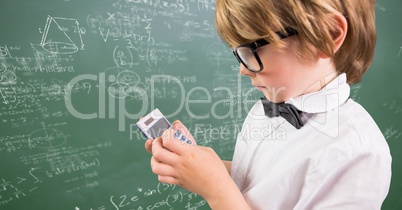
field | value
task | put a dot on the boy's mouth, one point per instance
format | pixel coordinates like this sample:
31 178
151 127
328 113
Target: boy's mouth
260 87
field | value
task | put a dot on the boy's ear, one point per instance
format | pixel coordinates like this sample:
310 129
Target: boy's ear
339 32
341 29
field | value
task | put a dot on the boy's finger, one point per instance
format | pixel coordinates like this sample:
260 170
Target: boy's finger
173 144
165 156
156 144
178 125
148 146
161 168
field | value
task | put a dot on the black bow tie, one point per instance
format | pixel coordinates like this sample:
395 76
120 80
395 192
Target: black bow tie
287 111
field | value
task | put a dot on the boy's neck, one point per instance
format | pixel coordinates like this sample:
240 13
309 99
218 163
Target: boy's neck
321 83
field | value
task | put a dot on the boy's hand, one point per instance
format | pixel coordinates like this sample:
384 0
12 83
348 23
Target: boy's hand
177 125
198 169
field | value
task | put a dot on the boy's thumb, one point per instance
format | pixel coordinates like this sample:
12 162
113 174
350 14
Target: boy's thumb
177 125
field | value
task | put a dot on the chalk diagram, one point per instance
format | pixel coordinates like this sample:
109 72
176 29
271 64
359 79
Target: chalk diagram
123 57
122 83
7 77
62 35
46 138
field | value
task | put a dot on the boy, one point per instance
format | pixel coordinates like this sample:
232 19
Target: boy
306 144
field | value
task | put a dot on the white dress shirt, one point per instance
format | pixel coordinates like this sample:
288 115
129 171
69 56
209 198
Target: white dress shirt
338 160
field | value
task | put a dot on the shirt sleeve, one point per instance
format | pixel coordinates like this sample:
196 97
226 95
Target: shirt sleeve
346 179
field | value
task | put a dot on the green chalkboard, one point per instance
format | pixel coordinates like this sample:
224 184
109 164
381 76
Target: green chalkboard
75 76
381 90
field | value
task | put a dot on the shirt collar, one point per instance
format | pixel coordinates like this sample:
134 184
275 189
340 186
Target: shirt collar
330 97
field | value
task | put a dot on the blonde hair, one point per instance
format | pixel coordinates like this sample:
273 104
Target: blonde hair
244 21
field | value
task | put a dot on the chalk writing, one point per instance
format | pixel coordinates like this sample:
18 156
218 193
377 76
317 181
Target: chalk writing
380 7
15 188
391 132
354 91
217 53
172 196
393 106
44 69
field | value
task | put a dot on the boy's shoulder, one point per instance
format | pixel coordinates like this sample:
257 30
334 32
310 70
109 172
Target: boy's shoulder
355 119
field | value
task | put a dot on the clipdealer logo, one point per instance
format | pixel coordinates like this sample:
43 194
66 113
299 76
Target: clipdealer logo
329 99
122 92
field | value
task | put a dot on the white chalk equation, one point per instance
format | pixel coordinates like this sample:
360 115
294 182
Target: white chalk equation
19 58
73 168
164 196
27 103
10 191
25 185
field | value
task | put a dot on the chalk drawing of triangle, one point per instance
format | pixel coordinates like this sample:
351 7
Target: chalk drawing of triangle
57 36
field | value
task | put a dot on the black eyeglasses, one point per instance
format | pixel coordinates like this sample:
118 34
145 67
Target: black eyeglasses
247 55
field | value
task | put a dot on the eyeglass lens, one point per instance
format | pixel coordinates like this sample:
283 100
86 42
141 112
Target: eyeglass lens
248 58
